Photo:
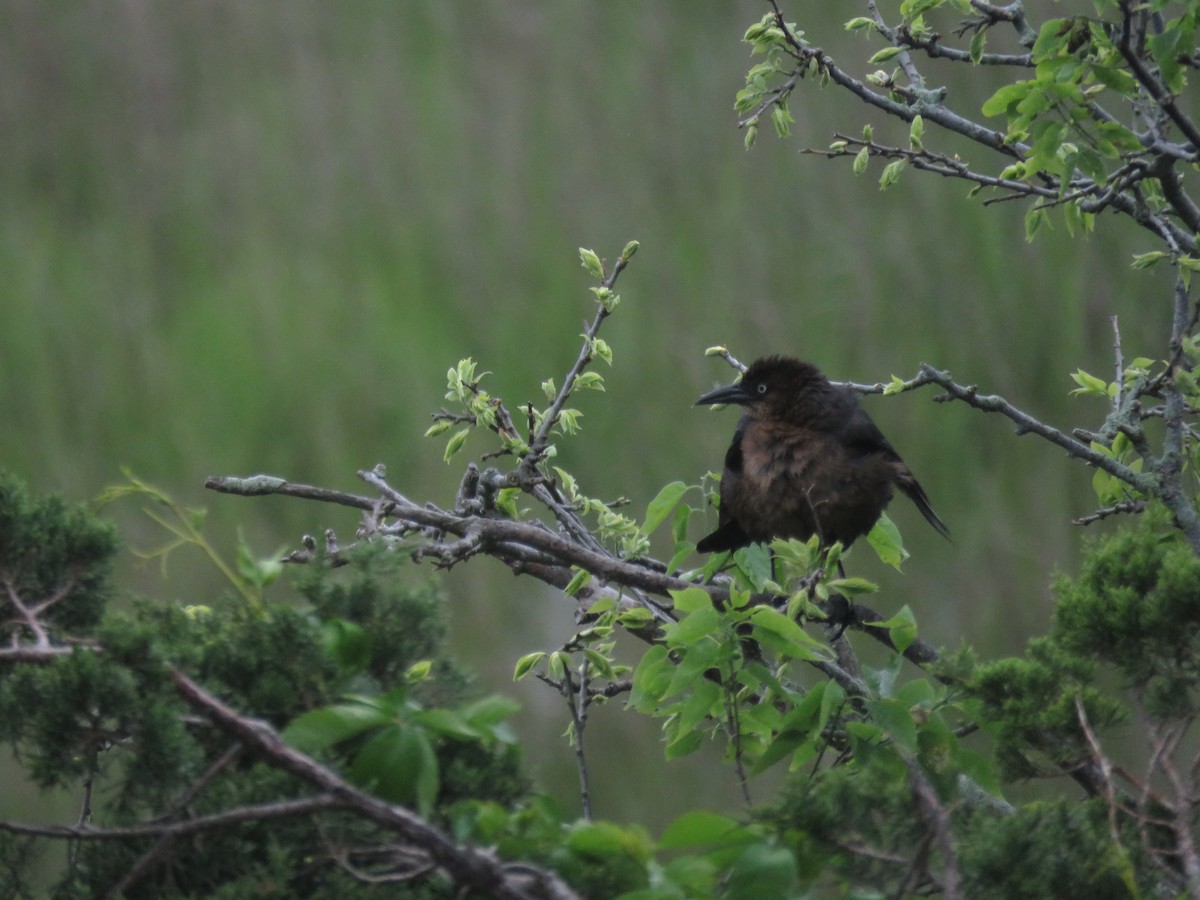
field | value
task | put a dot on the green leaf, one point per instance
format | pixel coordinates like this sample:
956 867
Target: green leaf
438 428
578 580
978 42
701 829
833 698
885 54
782 120
1174 40
860 160
1089 384
915 132
399 765
751 136
568 421
1145 260
902 627
695 625
979 768
891 173
490 710
910 9
601 349
347 643
638 617
589 381
853 587
447 723
762 871
1034 220
684 744
691 600
861 23
797 643
605 841
704 701
1116 79
1006 98
527 664
258 572
323 728
590 261
662 504
755 563
568 482
885 540
455 443
895 718
651 677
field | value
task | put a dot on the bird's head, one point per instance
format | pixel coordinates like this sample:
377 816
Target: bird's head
773 387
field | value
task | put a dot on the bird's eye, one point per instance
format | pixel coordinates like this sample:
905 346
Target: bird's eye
761 388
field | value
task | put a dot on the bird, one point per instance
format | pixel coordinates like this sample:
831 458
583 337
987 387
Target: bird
805 460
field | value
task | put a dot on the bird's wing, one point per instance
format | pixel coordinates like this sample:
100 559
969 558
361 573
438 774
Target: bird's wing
733 456
862 437
729 534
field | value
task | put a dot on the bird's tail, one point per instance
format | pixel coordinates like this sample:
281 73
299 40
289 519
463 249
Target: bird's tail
913 490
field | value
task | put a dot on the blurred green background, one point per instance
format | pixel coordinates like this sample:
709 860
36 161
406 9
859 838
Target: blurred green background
242 237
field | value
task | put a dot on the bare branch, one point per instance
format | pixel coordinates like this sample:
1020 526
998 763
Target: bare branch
182 827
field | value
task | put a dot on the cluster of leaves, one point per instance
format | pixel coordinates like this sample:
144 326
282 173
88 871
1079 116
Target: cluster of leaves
43 539
104 719
1098 125
536 447
1124 438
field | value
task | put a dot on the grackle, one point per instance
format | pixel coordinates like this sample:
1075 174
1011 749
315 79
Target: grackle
805 459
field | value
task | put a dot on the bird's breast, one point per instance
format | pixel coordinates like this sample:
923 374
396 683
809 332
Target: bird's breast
796 482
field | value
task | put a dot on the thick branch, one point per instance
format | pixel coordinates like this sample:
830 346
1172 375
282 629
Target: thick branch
468 866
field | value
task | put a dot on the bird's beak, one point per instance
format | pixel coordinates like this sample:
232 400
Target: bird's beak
733 393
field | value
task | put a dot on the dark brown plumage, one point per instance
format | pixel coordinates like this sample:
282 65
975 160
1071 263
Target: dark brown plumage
805 459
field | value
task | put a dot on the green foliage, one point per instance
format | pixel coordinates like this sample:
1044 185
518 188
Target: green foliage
1032 704
54 556
705 677
86 706
107 718
599 859
1062 849
1134 610
1135 607
393 622
393 744
185 527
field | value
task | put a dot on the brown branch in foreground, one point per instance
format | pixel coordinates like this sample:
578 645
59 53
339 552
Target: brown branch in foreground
469 866
937 820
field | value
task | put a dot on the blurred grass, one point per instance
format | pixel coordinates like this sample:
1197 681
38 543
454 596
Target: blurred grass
252 237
